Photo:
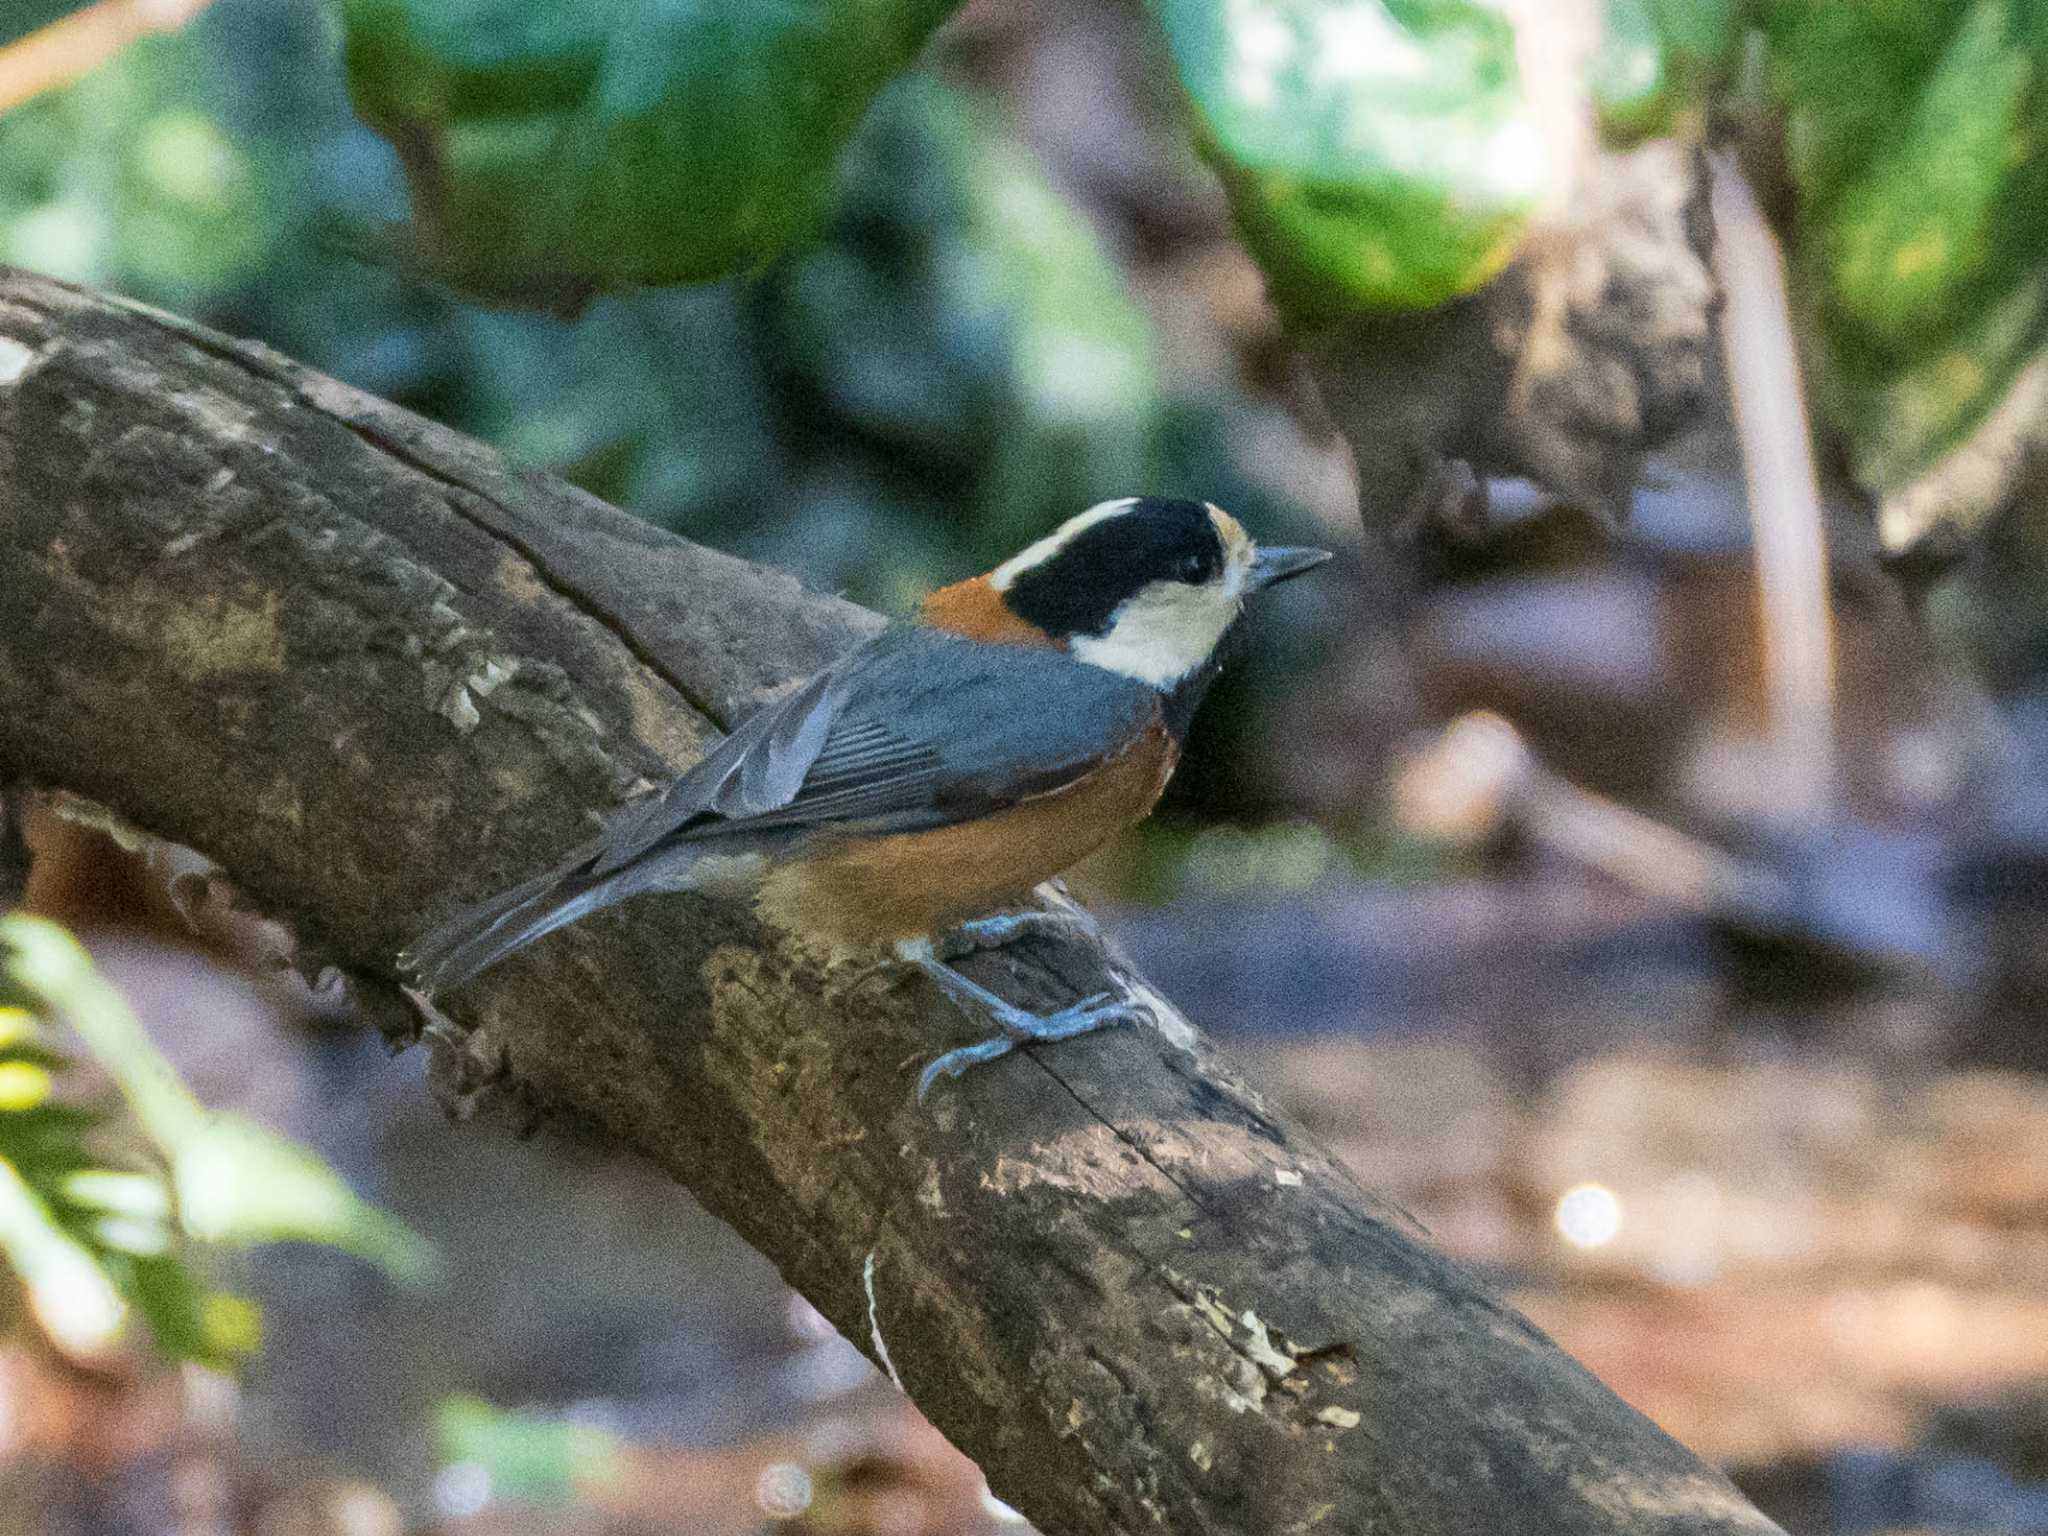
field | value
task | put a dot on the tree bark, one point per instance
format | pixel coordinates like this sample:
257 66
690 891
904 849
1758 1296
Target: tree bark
368 669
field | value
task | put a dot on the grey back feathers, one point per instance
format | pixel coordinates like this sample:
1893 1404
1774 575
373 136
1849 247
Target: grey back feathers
915 729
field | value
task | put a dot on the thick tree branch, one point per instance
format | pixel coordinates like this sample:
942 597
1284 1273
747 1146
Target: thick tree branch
365 667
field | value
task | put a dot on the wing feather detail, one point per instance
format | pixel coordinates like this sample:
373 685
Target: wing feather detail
916 729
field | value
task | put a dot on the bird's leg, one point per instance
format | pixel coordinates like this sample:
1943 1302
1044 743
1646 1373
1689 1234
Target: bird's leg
983 933
1018 1025
1007 927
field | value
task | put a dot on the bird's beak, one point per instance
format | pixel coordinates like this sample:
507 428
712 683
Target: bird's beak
1281 562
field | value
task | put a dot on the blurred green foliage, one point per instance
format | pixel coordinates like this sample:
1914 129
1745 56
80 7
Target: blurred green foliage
127 173
932 355
112 1206
1658 63
1914 135
954 363
83 1242
1376 153
951 368
575 149
1382 155
526 1457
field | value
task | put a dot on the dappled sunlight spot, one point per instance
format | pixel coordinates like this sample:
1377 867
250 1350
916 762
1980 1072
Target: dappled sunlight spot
15 358
1260 45
23 1085
1690 1497
462 1489
1588 1216
1358 41
1516 160
783 1490
186 156
1139 1157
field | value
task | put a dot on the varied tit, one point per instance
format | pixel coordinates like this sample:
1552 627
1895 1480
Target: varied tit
941 771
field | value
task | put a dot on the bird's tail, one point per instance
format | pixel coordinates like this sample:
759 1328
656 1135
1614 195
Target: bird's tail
479 936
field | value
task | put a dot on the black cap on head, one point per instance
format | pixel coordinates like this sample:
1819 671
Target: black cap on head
1078 587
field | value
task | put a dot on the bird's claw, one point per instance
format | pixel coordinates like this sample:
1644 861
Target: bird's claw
955 1062
1020 1027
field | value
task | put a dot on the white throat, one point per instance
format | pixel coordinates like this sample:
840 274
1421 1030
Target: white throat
1165 632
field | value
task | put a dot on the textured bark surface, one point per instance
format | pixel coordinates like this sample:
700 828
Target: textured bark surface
368 669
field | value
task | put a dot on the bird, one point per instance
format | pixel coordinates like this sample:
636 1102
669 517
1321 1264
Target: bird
917 790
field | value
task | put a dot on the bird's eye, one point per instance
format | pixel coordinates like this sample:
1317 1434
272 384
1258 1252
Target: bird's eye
1193 569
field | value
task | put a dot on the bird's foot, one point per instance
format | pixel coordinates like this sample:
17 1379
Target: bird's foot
1019 1026
1006 928
1093 1013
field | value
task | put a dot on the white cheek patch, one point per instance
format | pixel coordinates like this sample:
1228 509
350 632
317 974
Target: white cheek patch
1163 633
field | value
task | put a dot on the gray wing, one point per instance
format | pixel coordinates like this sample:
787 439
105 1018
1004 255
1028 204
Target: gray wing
929 729
760 766
915 729
757 768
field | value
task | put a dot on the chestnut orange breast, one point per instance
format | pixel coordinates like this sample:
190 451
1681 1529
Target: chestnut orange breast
868 890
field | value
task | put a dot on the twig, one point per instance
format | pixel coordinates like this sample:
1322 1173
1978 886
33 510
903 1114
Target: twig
1784 497
73 46
1479 775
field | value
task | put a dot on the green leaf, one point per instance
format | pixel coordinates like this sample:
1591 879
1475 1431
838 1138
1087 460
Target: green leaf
1917 140
235 1181
240 1183
1847 75
1376 152
1912 237
71 1295
1899 420
572 149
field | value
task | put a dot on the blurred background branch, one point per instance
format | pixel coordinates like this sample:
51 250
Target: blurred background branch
1768 399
